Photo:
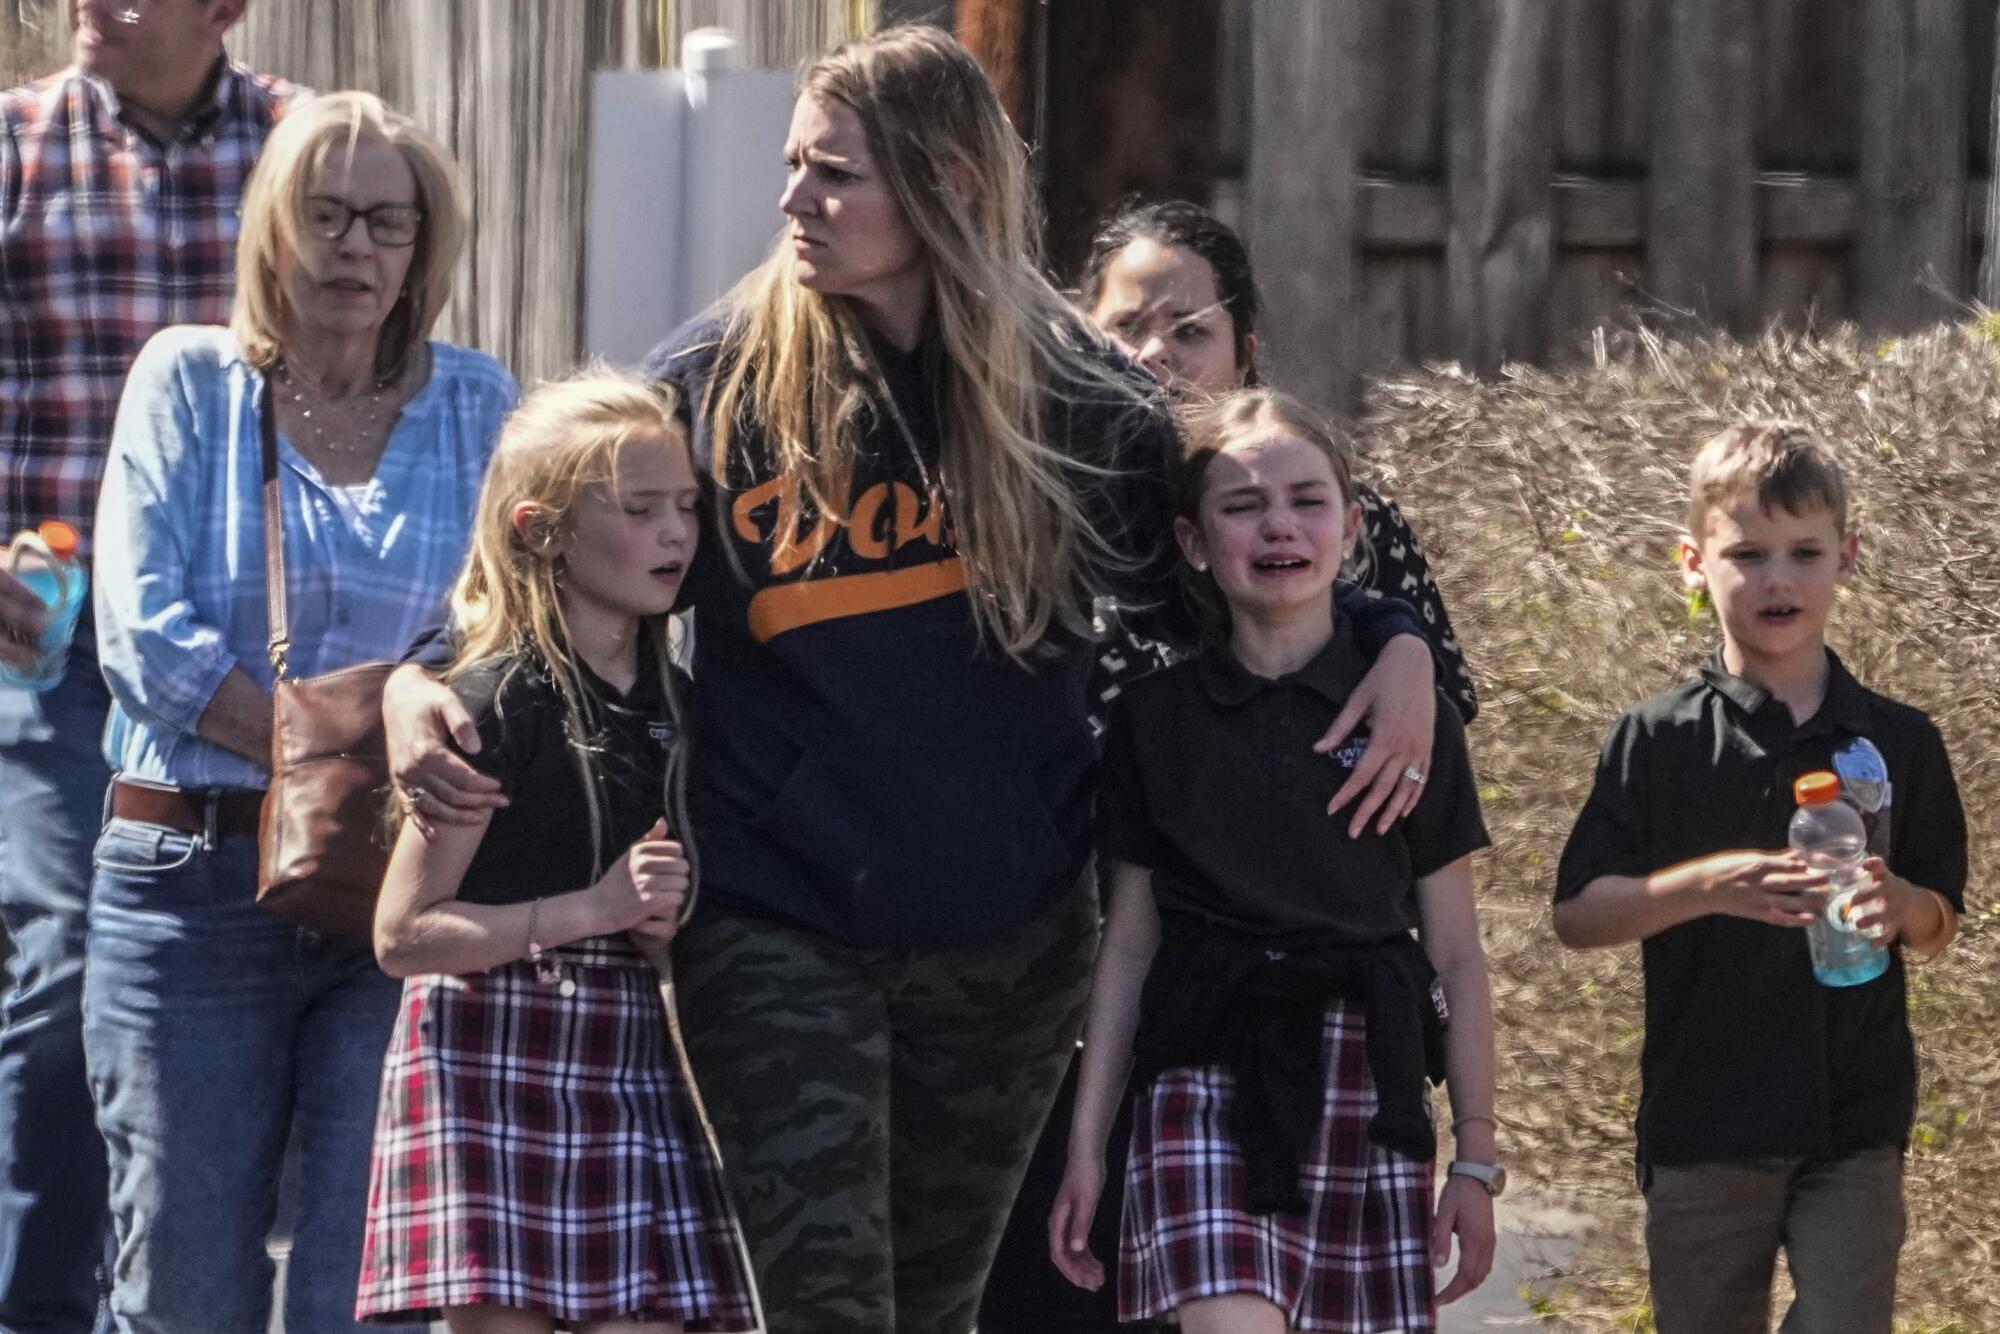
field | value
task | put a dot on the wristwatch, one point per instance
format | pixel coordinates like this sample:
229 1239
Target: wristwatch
1490 1175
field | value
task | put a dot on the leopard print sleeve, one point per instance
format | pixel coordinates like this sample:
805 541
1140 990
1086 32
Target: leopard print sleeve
1397 568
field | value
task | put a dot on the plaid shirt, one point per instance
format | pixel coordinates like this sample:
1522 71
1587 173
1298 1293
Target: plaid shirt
180 554
106 237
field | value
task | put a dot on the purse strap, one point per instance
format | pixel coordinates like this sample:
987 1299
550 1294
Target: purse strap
274 536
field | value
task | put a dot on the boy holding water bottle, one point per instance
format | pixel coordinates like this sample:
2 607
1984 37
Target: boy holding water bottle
1774 1108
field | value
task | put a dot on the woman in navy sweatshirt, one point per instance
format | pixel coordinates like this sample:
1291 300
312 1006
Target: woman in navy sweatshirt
925 477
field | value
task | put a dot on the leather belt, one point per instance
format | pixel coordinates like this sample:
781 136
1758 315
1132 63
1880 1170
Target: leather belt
217 812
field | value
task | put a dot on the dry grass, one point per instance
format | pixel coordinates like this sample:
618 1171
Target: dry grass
1549 502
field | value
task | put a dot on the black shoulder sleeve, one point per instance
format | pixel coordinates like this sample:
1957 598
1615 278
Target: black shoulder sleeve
505 707
1125 828
1930 839
1609 837
1446 823
1397 569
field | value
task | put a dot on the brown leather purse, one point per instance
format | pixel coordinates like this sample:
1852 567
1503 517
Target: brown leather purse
322 843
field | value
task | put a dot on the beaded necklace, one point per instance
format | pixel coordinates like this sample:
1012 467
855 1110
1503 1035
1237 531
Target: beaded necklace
321 413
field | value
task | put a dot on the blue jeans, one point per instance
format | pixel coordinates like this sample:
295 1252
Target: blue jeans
214 1030
52 1215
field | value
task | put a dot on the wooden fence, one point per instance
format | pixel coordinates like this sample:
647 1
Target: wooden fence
505 86
1483 180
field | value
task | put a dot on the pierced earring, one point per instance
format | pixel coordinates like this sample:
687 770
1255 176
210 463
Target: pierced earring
1201 566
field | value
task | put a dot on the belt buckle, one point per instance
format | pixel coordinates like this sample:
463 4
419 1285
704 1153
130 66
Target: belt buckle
211 816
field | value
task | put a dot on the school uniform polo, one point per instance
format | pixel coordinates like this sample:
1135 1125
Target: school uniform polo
1269 911
1746 1054
524 744
1210 779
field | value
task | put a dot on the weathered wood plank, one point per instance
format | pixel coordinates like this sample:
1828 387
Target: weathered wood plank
1794 209
1302 203
1143 74
1500 136
1806 286
1807 65
1403 309
1601 62
1701 244
1591 288
1910 239
996 32
1989 267
1400 86
1982 28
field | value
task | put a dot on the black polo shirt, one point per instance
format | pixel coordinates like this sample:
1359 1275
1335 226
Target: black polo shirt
540 843
1746 1055
1210 780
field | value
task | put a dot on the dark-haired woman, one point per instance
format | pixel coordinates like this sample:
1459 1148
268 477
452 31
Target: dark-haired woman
1172 284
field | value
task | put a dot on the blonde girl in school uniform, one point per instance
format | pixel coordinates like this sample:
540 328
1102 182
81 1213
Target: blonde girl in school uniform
540 1159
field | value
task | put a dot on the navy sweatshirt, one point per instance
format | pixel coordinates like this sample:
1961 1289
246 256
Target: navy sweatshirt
863 765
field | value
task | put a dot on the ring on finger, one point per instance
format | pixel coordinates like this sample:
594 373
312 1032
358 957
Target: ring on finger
414 794
1414 774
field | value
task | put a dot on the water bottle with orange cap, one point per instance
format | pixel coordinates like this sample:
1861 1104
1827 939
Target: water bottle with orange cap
44 559
1828 832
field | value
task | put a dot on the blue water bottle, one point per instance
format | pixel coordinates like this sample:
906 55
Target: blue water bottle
45 561
1829 834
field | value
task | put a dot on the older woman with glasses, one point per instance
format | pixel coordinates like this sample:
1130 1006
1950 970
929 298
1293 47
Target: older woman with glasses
214 1030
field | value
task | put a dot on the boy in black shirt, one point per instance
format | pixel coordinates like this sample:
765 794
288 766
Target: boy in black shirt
1774 1110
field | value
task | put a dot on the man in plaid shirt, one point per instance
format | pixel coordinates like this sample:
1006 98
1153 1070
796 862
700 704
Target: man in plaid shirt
120 181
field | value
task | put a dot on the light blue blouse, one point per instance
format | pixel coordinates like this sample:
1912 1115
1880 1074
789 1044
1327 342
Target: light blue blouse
179 566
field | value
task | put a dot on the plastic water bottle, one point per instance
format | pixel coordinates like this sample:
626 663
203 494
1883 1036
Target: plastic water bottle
1828 833
45 560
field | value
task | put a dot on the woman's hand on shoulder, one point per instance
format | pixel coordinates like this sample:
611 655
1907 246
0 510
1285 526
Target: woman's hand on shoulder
1070 1218
1398 701
421 718
1465 1211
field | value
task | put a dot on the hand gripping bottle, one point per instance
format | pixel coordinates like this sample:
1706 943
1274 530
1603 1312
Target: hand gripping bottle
45 560
1828 833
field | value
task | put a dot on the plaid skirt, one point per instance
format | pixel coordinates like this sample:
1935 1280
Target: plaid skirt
1357 1261
543 1151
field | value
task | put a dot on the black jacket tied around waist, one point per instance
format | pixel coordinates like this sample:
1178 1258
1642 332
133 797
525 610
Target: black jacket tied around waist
1257 1008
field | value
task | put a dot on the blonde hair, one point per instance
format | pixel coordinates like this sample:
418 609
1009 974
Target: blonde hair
563 438
274 206
1783 463
795 366
1212 426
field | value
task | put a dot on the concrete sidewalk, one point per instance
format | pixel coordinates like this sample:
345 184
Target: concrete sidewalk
1536 1236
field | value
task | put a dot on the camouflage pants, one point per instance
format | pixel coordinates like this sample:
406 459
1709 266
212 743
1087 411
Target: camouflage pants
876 1108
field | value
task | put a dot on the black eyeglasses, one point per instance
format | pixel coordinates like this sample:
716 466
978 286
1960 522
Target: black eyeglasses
388 224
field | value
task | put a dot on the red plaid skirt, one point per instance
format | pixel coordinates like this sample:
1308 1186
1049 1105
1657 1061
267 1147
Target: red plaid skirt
543 1151
1358 1259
